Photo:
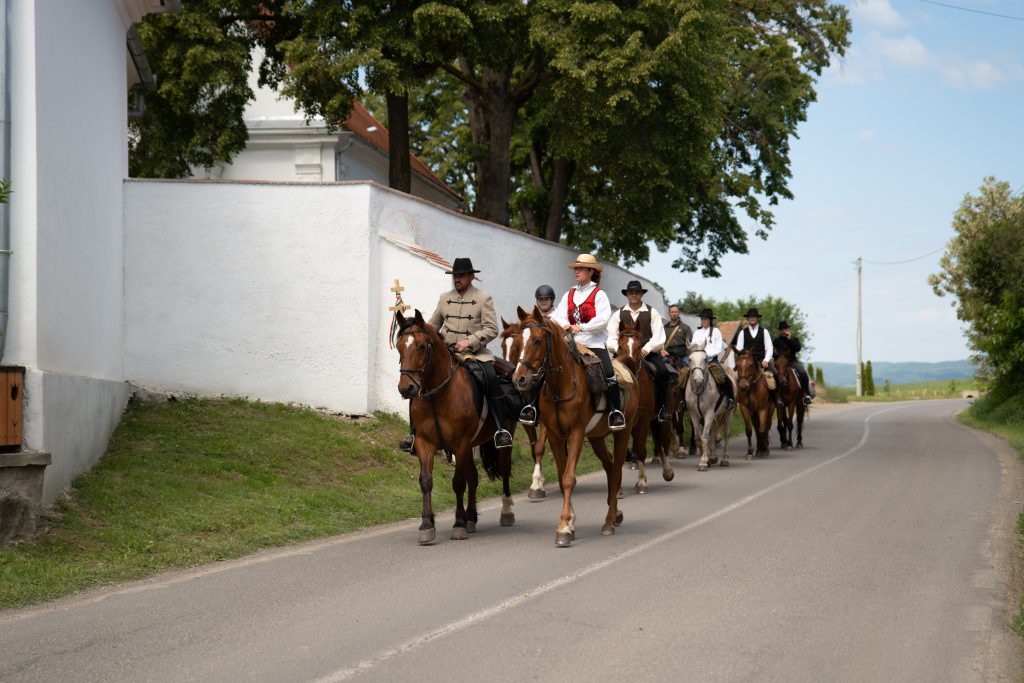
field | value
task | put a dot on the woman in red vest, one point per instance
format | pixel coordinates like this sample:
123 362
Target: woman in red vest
584 311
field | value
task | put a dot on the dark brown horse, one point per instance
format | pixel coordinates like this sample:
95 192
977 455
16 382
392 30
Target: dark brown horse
647 409
793 404
445 416
755 401
512 350
548 361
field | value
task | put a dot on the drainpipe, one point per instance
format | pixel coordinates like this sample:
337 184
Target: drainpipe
5 166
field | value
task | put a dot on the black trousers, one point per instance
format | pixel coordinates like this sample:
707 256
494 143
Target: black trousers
609 373
662 377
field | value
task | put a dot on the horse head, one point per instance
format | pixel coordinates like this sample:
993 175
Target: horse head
538 335
746 369
697 355
629 345
416 344
511 341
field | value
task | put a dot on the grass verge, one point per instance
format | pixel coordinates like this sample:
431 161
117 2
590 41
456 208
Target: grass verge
192 482
1005 418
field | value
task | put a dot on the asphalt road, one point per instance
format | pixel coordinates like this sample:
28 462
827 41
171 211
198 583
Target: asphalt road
878 553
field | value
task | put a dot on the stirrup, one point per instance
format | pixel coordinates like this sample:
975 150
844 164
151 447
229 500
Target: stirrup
528 416
808 400
730 404
502 439
407 444
616 421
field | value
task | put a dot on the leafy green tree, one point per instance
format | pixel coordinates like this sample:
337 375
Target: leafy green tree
819 376
5 190
810 370
869 380
983 271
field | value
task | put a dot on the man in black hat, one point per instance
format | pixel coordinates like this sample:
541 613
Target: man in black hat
652 339
716 350
787 345
465 318
755 337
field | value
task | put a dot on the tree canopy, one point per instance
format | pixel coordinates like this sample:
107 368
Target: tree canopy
609 126
983 271
773 310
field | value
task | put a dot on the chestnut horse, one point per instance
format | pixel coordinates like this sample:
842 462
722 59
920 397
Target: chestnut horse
755 401
511 350
793 403
647 409
550 362
445 416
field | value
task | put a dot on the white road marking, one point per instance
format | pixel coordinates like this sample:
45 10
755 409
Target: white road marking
505 605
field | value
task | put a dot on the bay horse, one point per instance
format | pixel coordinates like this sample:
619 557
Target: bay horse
444 413
647 409
549 361
793 404
708 410
755 401
511 350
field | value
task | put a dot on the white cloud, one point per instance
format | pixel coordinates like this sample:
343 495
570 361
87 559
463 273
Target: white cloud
878 13
978 75
907 52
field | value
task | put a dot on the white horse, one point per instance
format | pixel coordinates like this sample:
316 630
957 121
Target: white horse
707 407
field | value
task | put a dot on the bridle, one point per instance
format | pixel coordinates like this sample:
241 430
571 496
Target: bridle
413 372
544 367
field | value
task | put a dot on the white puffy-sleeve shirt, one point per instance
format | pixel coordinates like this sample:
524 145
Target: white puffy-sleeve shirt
593 333
712 338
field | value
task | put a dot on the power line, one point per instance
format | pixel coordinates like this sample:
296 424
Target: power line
896 263
971 9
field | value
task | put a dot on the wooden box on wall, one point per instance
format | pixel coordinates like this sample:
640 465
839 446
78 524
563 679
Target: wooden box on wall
12 383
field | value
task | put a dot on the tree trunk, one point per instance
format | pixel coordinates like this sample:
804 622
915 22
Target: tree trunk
559 192
399 167
492 114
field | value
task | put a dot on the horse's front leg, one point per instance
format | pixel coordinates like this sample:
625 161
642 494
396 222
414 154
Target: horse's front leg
747 427
425 452
800 412
537 439
460 479
782 428
612 463
662 445
639 435
508 518
566 454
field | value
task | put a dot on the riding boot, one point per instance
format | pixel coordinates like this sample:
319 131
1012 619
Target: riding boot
616 420
407 444
726 389
661 393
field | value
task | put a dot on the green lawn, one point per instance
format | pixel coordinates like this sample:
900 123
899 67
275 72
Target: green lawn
192 482
943 388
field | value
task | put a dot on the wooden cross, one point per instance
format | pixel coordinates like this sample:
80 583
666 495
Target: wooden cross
399 304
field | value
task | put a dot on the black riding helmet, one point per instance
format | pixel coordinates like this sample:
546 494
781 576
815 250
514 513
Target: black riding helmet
544 292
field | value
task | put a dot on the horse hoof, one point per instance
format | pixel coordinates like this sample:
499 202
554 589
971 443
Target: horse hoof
459 533
724 463
669 475
608 530
750 451
427 536
712 461
633 465
508 519
640 490
702 468
800 445
618 517
563 539
749 456
536 493
471 527
788 448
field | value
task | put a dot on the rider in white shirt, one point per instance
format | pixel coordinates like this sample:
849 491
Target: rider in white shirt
715 348
584 310
758 339
652 336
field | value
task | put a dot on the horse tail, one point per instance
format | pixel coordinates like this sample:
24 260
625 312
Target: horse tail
489 458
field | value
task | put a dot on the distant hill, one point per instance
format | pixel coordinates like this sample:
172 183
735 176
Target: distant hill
845 375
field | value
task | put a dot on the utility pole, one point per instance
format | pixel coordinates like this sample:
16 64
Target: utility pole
860 380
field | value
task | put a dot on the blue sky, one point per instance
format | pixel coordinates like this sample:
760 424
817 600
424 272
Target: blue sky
927 102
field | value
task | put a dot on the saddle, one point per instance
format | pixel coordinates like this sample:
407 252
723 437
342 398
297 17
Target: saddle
652 369
499 388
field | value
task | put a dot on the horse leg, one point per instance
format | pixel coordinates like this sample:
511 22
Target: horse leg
723 429
537 439
662 445
507 518
425 453
459 482
800 411
612 463
747 428
566 455
782 429
640 450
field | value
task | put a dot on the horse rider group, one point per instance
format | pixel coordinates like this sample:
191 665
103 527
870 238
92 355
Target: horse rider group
465 318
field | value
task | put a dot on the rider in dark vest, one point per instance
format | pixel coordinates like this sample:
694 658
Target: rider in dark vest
755 337
584 311
787 345
652 337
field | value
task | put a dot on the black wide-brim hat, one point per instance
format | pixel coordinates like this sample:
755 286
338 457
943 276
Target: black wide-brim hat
751 313
634 286
706 313
461 265
783 325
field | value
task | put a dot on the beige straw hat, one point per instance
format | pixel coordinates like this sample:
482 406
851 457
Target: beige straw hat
587 261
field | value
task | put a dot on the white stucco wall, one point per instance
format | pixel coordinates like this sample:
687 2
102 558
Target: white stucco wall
249 289
68 159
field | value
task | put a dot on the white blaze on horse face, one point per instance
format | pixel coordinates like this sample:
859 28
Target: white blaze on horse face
630 346
408 342
508 348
